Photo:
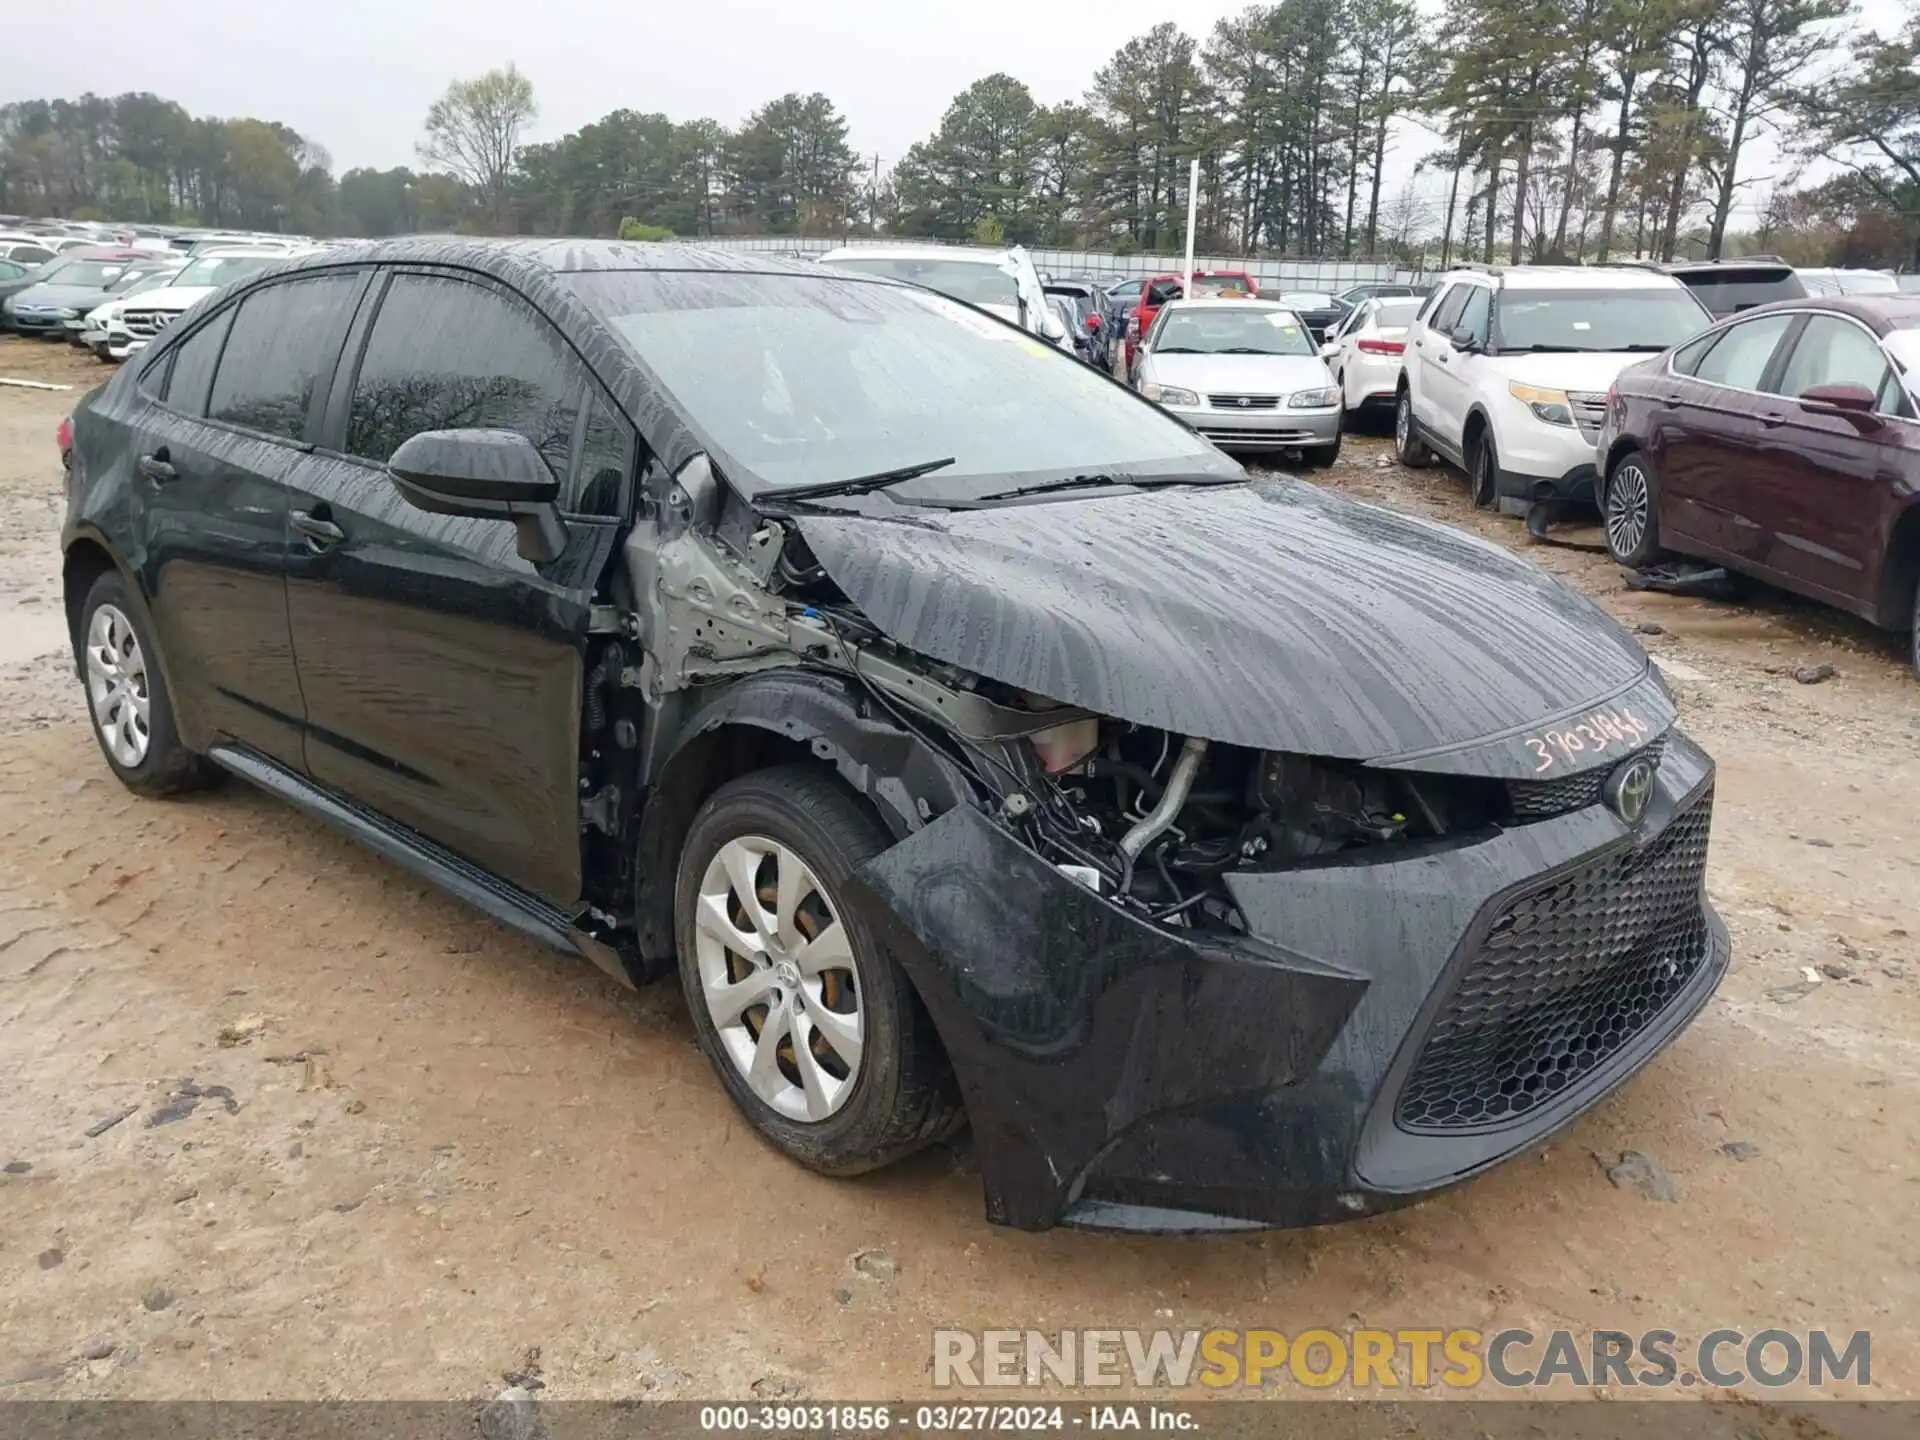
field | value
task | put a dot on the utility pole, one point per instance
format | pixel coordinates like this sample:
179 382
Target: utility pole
873 198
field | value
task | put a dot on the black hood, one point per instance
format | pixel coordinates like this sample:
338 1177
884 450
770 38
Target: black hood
1274 615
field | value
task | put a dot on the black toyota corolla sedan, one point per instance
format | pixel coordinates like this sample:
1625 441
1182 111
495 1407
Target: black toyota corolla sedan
977 743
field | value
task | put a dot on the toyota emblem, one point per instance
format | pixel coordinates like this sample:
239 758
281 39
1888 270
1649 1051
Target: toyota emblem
1245 401
1629 788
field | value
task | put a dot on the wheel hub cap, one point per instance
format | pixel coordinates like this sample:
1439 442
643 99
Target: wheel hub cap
117 686
778 979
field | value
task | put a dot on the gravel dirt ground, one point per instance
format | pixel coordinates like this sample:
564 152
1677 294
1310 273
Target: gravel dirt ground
277 1121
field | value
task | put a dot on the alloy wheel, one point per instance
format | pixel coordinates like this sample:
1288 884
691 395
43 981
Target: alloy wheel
1627 509
1402 423
117 686
778 978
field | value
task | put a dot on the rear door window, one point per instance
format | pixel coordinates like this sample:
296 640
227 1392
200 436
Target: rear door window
1728 294
194 360
285 341
1739 357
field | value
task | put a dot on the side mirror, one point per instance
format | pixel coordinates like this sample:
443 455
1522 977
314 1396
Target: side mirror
486 475
1463 338
1851 402
1329 351
1051 327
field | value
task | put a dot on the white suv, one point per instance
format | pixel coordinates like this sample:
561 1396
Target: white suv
1004 282
1506 372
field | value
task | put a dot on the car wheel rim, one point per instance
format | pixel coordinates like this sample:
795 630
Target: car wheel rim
778 979
117 686
1402 423
1627 506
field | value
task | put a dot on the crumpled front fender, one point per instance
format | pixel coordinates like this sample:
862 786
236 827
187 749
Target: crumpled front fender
1067 1020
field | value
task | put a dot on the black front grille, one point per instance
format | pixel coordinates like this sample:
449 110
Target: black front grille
1539 799
1565 977
1243 402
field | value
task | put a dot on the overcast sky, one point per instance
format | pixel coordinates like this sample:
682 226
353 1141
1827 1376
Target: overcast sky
357 76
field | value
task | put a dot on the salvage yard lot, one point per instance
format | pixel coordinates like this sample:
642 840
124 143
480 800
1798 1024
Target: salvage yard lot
372 1145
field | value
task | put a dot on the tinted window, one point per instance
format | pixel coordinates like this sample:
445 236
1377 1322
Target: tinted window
285 341
606 452
449 355
1447 312
1739 357
1831 351
193 364
1726 293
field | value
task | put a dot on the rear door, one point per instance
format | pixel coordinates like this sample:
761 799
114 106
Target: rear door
1715 439
1816 499
443 673
217 450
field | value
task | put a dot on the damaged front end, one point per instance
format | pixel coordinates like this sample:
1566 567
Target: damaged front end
1195 980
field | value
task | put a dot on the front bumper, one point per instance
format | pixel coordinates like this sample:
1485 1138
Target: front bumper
38 323
1276 428
1385 1029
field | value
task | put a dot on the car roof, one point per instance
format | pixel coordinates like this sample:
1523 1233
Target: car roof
1209 304
846 252
1568 277
1880 313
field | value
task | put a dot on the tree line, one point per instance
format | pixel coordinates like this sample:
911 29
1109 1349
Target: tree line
1571 129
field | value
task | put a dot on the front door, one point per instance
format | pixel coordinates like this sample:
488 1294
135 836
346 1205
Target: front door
1817 499
1431 364
1716 439
443 673
217 448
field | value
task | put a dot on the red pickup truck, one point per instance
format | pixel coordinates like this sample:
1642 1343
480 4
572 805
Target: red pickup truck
1221 284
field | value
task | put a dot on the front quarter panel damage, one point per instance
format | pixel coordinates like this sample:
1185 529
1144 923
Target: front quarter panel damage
1067 1020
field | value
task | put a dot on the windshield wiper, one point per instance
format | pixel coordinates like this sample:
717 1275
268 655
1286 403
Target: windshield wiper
1180 350
1251 350
1090 482
1642 349
858 485
1547 350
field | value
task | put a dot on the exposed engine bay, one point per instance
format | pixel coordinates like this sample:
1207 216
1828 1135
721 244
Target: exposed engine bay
1148 819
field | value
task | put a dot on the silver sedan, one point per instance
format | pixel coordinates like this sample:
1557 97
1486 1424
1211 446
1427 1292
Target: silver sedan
1244 373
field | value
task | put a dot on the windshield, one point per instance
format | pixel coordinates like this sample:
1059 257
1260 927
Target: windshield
136 280
1235 331
974 281
1640 319
1308 300
1866 282
800 380
97 274
224 269
1396 314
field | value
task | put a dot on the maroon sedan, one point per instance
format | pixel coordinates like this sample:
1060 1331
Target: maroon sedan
1783 443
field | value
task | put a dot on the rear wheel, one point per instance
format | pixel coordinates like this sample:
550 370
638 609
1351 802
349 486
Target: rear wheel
1412 452
127 697
812 1027
1630 508
1914 638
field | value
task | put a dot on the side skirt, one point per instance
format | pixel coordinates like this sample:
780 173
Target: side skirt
462 879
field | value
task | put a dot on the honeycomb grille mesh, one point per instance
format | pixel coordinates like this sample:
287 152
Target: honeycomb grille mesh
1566 976
1540 799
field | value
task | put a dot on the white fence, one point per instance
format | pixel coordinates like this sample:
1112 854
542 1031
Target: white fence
1319 275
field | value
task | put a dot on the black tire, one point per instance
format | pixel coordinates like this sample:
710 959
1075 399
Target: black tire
1321 457
903 1096
1483 470
1408 446
1913 639
1632 489
167 766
